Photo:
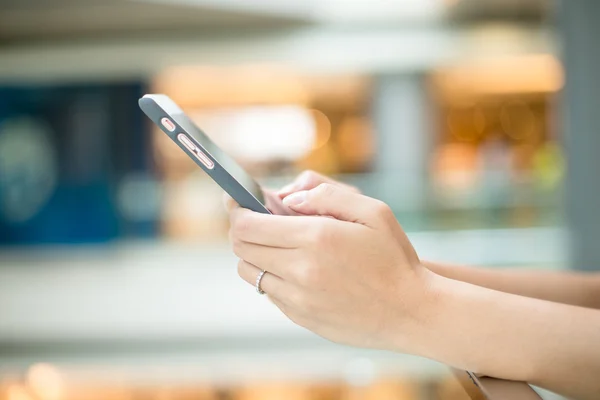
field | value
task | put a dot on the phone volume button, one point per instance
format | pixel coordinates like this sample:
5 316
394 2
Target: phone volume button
204 159
186 142
199 154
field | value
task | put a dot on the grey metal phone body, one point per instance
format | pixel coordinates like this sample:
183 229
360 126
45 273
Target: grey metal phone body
217 164
486 388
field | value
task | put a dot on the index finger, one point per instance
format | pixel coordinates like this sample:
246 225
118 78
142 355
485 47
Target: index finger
267 229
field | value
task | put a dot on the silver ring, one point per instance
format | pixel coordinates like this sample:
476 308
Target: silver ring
258 280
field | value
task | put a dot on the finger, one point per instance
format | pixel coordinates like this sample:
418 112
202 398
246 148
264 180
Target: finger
273 259
270 283
229 202
268 230
274 204
308 180
334 201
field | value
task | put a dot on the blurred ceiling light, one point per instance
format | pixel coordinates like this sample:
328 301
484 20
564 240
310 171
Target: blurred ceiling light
203 86
337 11
283 8
540 73
257 134
45 381
333 11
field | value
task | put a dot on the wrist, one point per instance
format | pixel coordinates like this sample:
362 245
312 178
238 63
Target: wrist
419 300
455 322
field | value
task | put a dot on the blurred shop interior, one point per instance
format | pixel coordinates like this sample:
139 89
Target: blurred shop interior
116 279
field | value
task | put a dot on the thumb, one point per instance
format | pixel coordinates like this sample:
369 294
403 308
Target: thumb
339 203
309 180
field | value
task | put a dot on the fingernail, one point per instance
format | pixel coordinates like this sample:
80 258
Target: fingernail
295 199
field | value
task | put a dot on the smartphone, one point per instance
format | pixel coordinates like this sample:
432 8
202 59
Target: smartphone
216 163
486 388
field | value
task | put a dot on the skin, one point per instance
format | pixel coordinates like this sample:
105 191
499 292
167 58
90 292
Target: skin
567 287
344 269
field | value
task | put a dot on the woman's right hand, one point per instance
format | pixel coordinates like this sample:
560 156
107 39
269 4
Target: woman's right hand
308 180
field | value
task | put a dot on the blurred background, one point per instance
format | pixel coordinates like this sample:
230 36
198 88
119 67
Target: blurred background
476 121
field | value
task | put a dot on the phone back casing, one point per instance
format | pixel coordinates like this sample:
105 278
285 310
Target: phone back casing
219 174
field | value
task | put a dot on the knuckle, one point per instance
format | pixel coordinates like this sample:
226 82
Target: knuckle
309 275
354 189
293 300
319 234
237 247
240 226
299 300
382 211
324 190
322 234
309 176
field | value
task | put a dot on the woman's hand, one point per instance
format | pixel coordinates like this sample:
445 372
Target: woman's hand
353 278
308 180
345 270
305 181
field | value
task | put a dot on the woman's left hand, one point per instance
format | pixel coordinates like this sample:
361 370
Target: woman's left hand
353 278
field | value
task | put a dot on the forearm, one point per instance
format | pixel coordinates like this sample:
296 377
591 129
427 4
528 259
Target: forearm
551 345
568 287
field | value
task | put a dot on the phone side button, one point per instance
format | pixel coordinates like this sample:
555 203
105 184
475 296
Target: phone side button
204 159
167 123
186 141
